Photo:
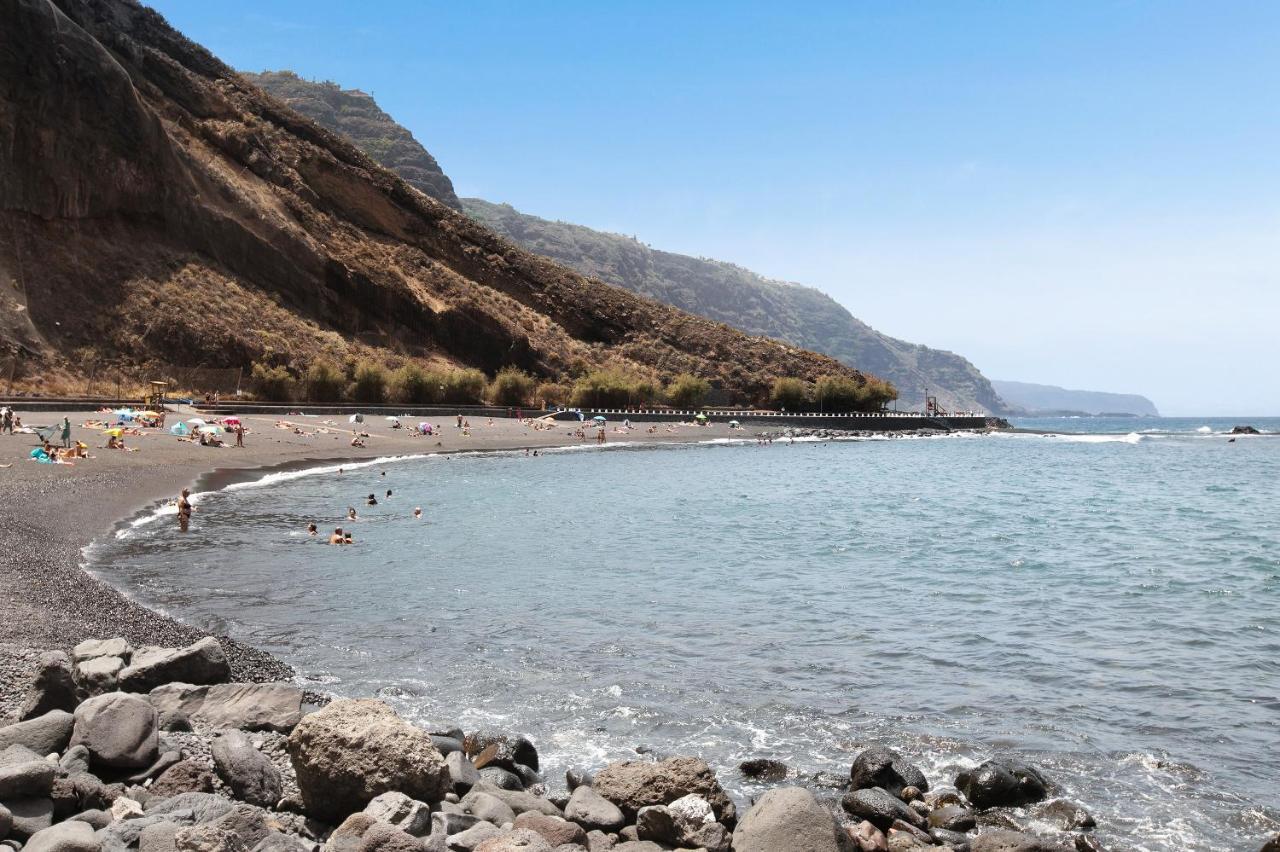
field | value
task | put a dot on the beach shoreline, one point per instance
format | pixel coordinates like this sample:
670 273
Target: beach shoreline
55 512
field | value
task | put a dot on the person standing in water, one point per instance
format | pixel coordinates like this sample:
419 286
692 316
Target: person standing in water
184 510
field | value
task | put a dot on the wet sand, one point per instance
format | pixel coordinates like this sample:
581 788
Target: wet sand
49 513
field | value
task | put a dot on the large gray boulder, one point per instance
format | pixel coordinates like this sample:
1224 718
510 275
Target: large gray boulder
24 774
1002 783
99 674
186 776
200 663
120 730
631 785
408 815
71 836
487 807
6 822
790 818
249 773
92 648
516 840
463 774
80 791
880 808
247 706
353 750
29 816
520 801
43 734
468 839
190 808
207 838
555 830
54 687
882 767
158 837
590 810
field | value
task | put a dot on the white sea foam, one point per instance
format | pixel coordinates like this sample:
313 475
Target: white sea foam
1131 438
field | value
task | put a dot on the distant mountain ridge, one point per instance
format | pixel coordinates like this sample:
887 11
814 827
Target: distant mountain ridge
1033 398
799 315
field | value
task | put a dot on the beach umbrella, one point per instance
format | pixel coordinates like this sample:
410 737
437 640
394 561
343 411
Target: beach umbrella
151 414
197 421
393 419
700 417
424 428
356 418
231 421
212 430
599 419
178 429
124 413
114 432
734 423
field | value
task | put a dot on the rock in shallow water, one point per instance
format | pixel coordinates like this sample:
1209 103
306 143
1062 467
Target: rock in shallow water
1003 840
763 769
631 785
351 751
1002 783
880 808
882 767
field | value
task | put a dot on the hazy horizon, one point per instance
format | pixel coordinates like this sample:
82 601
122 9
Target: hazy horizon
1084 197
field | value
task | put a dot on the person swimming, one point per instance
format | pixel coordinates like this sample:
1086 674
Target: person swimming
388 492
371 500
346 538
351 513
417 512
336 538
311 528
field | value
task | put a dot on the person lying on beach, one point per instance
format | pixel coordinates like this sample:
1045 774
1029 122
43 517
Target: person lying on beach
357 441
336 538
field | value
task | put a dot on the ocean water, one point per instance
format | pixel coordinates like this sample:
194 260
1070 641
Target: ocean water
1104 601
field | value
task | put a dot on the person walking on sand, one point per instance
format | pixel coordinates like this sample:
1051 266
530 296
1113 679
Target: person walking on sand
66 433
184 510
6 420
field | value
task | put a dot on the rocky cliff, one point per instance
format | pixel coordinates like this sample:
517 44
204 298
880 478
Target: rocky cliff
156 205
357 116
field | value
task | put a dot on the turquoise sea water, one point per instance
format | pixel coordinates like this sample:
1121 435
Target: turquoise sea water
1105 601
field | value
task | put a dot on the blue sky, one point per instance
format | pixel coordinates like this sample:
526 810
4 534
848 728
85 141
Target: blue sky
1083 194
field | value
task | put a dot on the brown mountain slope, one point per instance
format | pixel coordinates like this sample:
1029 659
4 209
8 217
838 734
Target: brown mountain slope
155 206
357 116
